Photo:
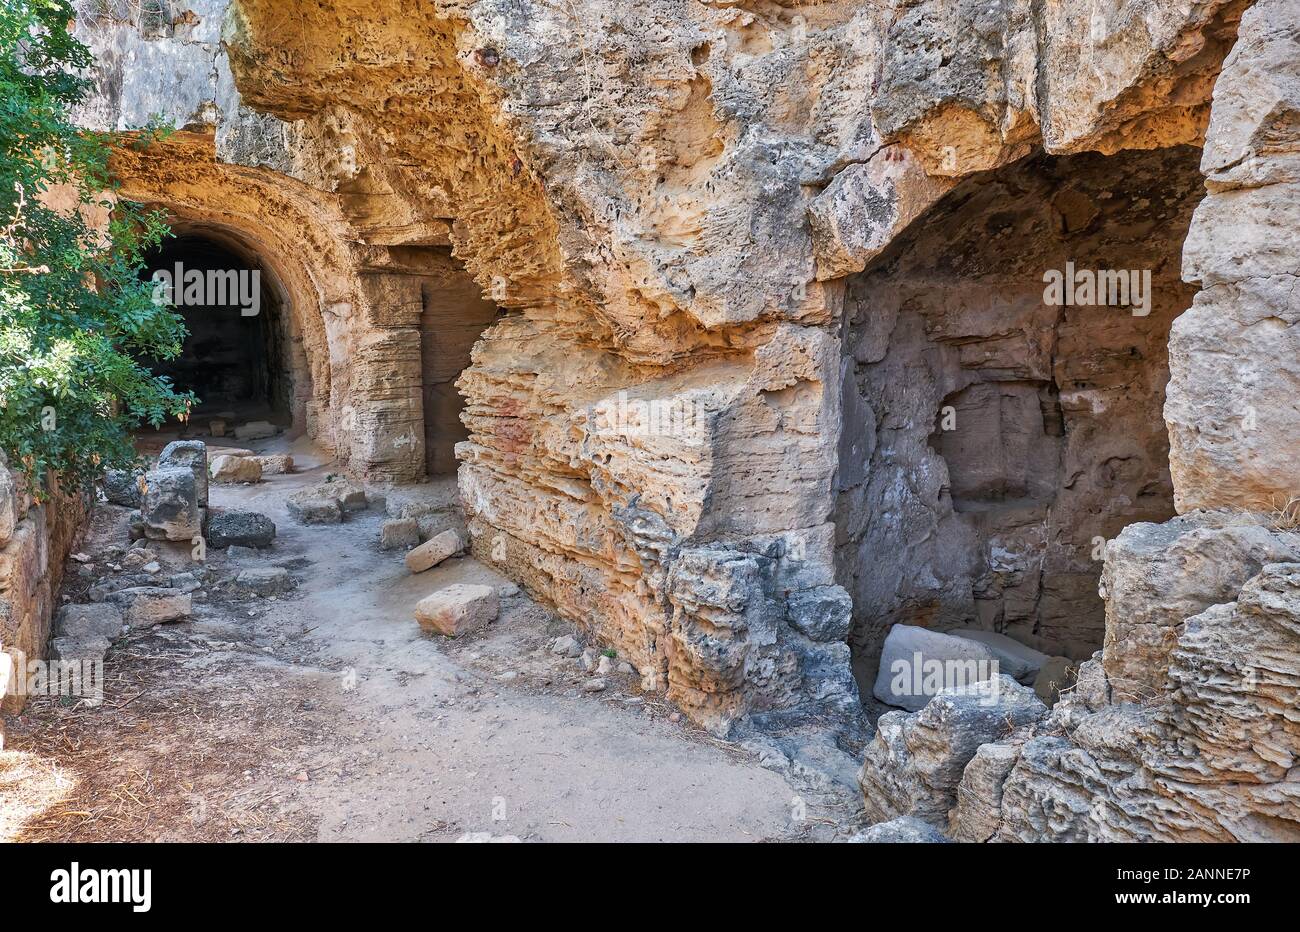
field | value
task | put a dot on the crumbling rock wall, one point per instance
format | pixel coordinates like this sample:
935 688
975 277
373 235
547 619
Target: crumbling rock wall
664 199
1184 726
35 539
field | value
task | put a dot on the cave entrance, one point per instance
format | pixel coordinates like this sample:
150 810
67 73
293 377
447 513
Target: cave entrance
237 357
1005 369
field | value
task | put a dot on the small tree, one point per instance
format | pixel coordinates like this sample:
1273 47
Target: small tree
76 314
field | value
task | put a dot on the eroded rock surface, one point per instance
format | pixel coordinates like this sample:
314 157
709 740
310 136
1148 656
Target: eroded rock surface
725 268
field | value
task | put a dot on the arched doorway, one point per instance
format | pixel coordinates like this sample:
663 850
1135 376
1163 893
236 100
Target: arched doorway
240 357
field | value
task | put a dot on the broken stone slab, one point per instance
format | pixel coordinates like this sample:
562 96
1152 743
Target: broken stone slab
231 469
311 507
240 528
86 649
916 760
327 502
1019 661
95 620
822 614
169 509
255 430
399 534
269 580
122 487
434 551
917 663
905 830
458 610
193 455
275 464
146 606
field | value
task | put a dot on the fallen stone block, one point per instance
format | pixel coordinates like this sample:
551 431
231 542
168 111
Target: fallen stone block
1018 661
311 507
270 580
327 502
906 830
255 430
236 469
433 551
217 427
917 663
276 464
458 610
169 509
185 582
399 534
88 649
240 528
122 487
146 606
193 455
96 620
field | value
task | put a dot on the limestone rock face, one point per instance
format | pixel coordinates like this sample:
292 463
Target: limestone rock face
915 763
1226 418
1158 575
697 418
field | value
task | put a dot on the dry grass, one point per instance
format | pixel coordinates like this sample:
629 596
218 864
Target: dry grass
160 760
1285 516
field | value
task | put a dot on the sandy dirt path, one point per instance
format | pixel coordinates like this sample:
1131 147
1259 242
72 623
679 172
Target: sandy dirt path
327 714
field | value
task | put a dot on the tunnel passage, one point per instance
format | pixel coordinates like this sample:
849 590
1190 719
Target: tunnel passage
1001 421
237 355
